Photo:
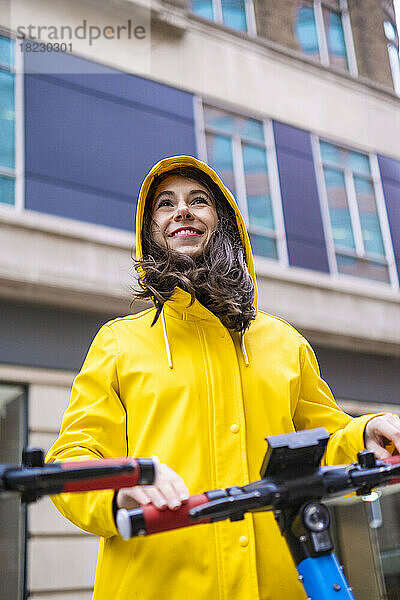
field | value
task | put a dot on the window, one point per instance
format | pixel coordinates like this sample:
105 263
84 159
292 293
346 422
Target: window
354 213
7 121
236 14
241 150
366 534
13 433
323 32
393 50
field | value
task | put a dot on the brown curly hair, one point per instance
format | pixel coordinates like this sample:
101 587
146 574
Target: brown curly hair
218 278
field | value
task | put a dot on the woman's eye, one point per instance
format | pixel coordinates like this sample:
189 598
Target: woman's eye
200 199
164 203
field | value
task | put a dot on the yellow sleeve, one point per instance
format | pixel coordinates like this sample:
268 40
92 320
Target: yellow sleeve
316 407
93 427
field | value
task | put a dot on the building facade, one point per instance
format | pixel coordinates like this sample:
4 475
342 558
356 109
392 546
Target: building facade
295 104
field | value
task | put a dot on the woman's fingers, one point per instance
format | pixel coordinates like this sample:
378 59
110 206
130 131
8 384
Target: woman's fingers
380 431
379 451
169 490
132 497
171 485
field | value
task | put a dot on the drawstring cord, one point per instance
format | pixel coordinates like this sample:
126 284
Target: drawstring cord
167 348
244 352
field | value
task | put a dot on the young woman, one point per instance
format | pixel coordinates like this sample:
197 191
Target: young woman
199 379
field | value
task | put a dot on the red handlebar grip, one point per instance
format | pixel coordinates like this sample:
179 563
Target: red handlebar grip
112 481
393 460
164 520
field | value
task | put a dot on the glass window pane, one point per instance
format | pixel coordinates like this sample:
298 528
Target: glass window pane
331 154
7 190
219 153
341 157
362 268
388 536
251 129
7 47
203 8
335 39
306 31
219 119
258 195
338 208
234 14
7 120
263 246
369 218
233 124
358 162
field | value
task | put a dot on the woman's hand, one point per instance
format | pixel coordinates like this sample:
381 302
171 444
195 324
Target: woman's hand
169 490
380 432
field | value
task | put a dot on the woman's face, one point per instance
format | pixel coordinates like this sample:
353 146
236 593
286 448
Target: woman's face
184 215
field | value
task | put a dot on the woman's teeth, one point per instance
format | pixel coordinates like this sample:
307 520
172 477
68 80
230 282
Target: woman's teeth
185 232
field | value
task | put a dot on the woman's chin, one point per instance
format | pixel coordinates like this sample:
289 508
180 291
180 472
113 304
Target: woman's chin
189 250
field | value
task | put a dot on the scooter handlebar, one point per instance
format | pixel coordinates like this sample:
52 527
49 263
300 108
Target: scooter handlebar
77 476
148 519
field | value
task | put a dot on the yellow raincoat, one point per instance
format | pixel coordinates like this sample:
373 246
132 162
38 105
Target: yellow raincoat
202 400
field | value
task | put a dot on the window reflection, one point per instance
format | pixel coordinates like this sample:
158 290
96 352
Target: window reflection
234 14
231 13
257 187
394 55
263 246
236 148
203 8
219 152
353 213
339 213
335 38
7 121
306 31
351 265
7 189
320 33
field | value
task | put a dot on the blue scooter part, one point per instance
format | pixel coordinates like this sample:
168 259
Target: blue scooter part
323 578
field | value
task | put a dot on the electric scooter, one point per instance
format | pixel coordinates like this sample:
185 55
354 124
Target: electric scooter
292 485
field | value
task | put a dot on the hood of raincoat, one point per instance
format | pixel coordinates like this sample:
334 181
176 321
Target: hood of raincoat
173 162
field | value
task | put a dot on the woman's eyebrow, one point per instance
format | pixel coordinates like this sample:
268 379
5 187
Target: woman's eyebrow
166 192
199 192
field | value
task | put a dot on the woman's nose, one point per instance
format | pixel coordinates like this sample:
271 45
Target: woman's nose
182 212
